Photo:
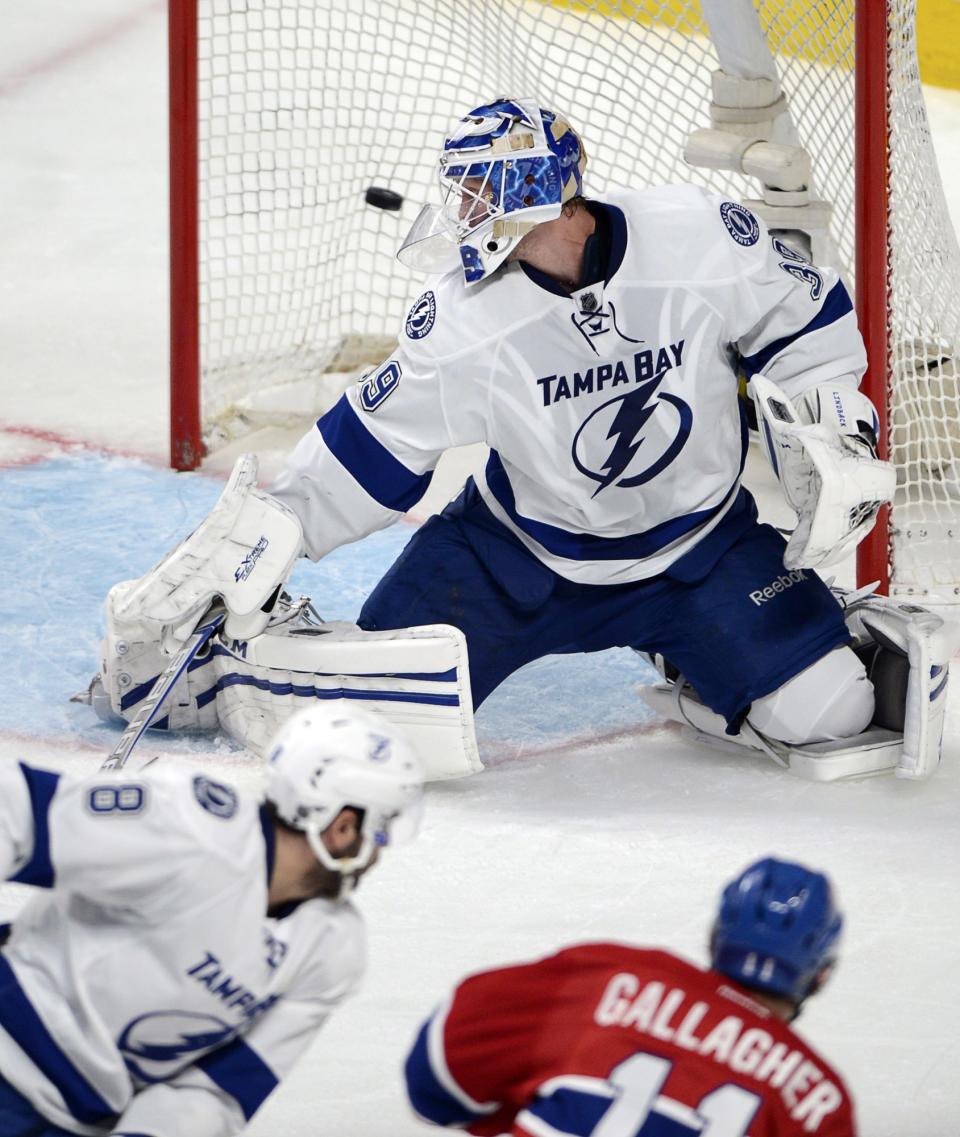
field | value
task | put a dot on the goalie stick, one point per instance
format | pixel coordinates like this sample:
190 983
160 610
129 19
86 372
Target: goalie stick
164 684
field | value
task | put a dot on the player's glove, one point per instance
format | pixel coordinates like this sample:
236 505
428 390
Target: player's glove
823 450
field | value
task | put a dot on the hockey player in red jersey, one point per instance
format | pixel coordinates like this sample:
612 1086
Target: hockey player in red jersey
608 1040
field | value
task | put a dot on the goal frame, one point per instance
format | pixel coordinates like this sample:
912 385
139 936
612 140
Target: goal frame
186 439
871 210
871 177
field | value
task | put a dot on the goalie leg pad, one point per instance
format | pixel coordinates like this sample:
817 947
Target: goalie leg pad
908 651
417 678
832 698
131 660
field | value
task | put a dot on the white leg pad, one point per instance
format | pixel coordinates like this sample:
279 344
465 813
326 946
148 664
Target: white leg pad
928 642
132 659
418 678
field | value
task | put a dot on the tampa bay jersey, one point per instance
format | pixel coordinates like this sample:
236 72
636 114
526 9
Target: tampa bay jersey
148 992
605 1040
615 431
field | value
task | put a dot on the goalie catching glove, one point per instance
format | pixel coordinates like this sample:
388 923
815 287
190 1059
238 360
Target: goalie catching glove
242 554
823 450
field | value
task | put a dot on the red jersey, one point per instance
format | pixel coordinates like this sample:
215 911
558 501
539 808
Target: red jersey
605 1040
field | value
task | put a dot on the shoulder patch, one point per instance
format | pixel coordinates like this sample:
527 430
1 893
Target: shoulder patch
740 222
378 387
421 317
215 797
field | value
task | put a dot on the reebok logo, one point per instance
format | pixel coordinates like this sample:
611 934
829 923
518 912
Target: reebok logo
781 584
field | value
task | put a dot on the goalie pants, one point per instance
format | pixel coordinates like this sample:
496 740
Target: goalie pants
738 634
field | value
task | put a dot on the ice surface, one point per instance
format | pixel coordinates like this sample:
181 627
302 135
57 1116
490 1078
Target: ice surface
593 820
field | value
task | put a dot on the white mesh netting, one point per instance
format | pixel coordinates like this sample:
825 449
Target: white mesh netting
924 403
306 103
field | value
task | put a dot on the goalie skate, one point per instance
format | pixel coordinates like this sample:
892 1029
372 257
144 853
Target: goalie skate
875 751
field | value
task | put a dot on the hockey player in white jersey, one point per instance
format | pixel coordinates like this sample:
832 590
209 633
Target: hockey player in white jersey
193 938
596 344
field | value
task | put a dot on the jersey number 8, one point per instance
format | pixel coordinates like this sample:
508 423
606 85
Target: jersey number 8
104 800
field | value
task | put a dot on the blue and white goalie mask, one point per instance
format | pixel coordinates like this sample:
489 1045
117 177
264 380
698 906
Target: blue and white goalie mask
505 168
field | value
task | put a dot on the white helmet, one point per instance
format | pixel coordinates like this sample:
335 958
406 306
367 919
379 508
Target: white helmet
325 759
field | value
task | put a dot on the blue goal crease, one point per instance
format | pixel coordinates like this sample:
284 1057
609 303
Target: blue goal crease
82 522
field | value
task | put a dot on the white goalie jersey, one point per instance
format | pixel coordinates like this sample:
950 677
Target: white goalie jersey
616 434
149 993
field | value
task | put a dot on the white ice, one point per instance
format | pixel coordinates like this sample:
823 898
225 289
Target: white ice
624 837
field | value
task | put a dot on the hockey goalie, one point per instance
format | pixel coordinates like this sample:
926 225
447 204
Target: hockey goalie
595 344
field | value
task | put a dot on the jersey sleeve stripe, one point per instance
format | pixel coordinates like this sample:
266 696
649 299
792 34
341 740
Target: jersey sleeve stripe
429 1098
433 1090
589 546
25 1027
836 305
42 785
240 1072
368 462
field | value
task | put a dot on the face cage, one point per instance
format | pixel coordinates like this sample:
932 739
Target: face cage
468 206
476 194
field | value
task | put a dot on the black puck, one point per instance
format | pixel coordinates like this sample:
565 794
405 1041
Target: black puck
383 198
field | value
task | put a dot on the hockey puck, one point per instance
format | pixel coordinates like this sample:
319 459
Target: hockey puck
383 198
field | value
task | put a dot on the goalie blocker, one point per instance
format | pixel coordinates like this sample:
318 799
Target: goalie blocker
906 651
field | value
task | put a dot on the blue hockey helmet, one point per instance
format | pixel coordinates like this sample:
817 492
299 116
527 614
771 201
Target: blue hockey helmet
777 929
506 167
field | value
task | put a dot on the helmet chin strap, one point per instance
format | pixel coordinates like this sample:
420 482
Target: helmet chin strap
346 867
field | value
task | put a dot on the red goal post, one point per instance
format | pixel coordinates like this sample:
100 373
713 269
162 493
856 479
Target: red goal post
282 112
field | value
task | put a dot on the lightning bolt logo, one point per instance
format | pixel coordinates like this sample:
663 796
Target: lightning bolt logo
626 431
625 428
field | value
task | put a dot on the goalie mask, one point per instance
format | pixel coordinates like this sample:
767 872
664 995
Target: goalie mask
505 168
325 759
777 930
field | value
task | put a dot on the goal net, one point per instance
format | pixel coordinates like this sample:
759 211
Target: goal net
302 105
